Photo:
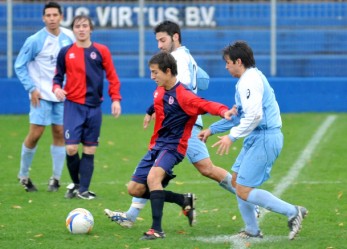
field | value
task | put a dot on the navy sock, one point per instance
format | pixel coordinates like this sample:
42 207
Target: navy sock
73 165
173 197
86 171
157 204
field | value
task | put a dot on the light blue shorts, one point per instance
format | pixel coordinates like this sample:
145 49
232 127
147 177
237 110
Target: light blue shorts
197 149
257 156
47 113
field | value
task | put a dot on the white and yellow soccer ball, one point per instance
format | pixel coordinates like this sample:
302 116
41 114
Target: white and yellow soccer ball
79 221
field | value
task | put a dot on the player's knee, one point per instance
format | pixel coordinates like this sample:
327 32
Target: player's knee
242 192
205 167
58 132
136 189
71 149
233 180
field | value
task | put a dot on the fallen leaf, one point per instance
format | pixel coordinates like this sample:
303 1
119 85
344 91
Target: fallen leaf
15 206
179 183
38 235
118 236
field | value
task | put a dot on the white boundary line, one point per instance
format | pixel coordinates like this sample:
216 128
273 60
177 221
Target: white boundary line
284 183
304 157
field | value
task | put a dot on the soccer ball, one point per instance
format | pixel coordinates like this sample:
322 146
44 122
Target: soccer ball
79 221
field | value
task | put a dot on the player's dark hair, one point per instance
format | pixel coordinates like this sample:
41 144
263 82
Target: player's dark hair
239 50
52 5
82 17
170 28
164 60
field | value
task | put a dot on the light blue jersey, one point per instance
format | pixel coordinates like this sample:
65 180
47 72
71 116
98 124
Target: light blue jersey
258 120
260 123
187 68
36 61
257 105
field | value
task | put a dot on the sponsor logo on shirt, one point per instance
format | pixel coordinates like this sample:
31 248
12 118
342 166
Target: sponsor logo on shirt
248 93
171 100
53 59
155 94
72 56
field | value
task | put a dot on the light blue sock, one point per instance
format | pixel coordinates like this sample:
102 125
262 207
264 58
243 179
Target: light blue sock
268 201
226 183
137 204
26 160
247 212
58 158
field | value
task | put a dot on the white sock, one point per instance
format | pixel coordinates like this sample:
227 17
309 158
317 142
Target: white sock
58 158
27 156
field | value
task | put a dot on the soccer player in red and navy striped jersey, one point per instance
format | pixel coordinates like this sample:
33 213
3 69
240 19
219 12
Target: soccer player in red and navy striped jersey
177 109
84 64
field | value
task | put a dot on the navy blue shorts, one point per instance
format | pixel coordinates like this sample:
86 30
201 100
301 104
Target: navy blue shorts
82 124
165 159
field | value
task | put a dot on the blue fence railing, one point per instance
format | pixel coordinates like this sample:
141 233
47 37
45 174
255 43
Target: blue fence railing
311 37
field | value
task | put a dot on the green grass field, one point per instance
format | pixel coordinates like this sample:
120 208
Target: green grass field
37 220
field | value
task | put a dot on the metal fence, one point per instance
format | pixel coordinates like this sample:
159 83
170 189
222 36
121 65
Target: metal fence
289 38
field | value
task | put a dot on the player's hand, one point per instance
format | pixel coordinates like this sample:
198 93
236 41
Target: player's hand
146 120
223 144
228 114
35 98
204 134
60 94
153 116
116 109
